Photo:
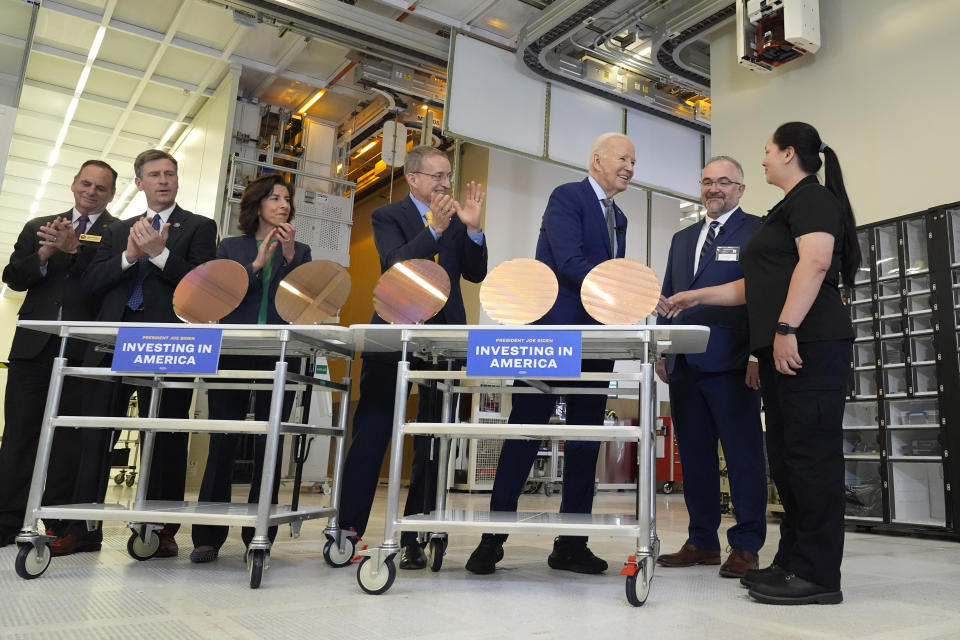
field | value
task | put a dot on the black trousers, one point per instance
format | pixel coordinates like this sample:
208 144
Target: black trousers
804 418
24 403
232 404
579 457
372 431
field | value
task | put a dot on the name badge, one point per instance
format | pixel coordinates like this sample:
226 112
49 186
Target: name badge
728 254
87 237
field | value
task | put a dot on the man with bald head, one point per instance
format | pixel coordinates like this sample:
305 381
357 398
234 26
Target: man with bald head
48 260
581 227
713 395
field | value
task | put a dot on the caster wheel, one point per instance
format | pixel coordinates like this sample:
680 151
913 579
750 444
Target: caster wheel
436 549
548 489
258 560
119 477
376 584
131 478
668 487
638 585
337 558
140 549
31 562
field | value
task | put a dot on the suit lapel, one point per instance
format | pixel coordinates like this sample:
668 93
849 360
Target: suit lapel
592 202
175 232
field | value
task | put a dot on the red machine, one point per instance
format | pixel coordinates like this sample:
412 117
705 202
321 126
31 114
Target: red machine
668 456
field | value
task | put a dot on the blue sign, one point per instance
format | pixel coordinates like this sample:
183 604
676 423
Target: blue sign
523 354
167 350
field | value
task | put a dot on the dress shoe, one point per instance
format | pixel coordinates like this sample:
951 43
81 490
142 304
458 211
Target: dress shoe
484 558
790 588
738 563
204 554
755 576
575 557
412 557
70 544
168 546
689 555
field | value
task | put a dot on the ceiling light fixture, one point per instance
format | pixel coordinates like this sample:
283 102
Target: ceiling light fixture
365 148
169 133
309 103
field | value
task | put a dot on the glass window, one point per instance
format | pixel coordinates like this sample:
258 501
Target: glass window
916 490
860 414
888 258
864 489
915 246
913 412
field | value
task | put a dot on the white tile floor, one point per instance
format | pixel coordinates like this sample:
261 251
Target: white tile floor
895 587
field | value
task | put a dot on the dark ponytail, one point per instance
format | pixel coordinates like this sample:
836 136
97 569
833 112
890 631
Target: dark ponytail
808 146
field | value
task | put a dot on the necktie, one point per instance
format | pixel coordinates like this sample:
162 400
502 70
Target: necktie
135 301
708 242
609 217
428 217
82 225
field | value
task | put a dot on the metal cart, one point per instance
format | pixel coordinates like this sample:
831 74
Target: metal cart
377 571
143 515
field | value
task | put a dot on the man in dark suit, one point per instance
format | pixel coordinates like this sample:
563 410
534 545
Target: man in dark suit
713 395
135 271
48 260
581 228
428 224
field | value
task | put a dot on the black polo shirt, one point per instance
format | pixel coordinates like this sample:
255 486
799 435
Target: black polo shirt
770 257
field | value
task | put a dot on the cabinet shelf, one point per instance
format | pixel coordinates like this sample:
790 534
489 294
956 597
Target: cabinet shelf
861 456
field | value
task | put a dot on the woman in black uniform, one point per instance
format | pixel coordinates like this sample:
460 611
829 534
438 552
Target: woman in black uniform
802 336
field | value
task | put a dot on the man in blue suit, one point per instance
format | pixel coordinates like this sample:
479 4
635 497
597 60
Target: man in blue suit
713 395
581 228
427 224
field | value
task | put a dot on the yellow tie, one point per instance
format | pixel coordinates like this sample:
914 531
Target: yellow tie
429 218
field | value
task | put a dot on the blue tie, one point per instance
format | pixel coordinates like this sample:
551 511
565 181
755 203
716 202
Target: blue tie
136 296
708 242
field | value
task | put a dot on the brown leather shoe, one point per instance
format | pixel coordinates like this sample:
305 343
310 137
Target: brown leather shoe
738 563
688 556
70 544
168 546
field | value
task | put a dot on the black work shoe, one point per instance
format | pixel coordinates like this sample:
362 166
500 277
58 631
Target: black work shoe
575 557
412 557
756 576
790 588
484 558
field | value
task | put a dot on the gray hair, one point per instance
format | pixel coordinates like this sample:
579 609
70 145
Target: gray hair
726 159
417 155
600 145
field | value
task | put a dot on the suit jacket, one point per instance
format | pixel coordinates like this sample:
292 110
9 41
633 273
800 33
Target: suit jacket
58 293
243 249
399 234
192 240
573 240
729 345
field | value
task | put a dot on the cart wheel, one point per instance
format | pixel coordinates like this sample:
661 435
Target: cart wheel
376 584
32 561
547 488
638 585
119 477
668 487
436 549
258 559
140 549
337 558
131 478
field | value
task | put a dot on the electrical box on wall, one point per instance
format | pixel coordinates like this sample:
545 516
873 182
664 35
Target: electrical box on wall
771 33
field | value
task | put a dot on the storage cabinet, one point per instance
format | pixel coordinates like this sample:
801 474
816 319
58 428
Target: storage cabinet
903 413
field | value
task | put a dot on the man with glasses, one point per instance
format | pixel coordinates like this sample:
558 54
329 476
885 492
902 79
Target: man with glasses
427 224
713 395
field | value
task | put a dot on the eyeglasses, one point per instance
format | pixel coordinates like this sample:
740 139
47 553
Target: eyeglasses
437 177
721 182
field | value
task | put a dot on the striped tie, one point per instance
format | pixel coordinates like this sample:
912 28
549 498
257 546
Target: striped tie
711 236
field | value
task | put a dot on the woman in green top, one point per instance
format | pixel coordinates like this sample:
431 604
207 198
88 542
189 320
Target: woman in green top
268 252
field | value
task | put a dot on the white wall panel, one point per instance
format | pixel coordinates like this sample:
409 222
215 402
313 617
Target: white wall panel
668 154
490 98
576 119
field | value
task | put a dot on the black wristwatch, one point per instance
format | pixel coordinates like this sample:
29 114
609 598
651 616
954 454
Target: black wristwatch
785 330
